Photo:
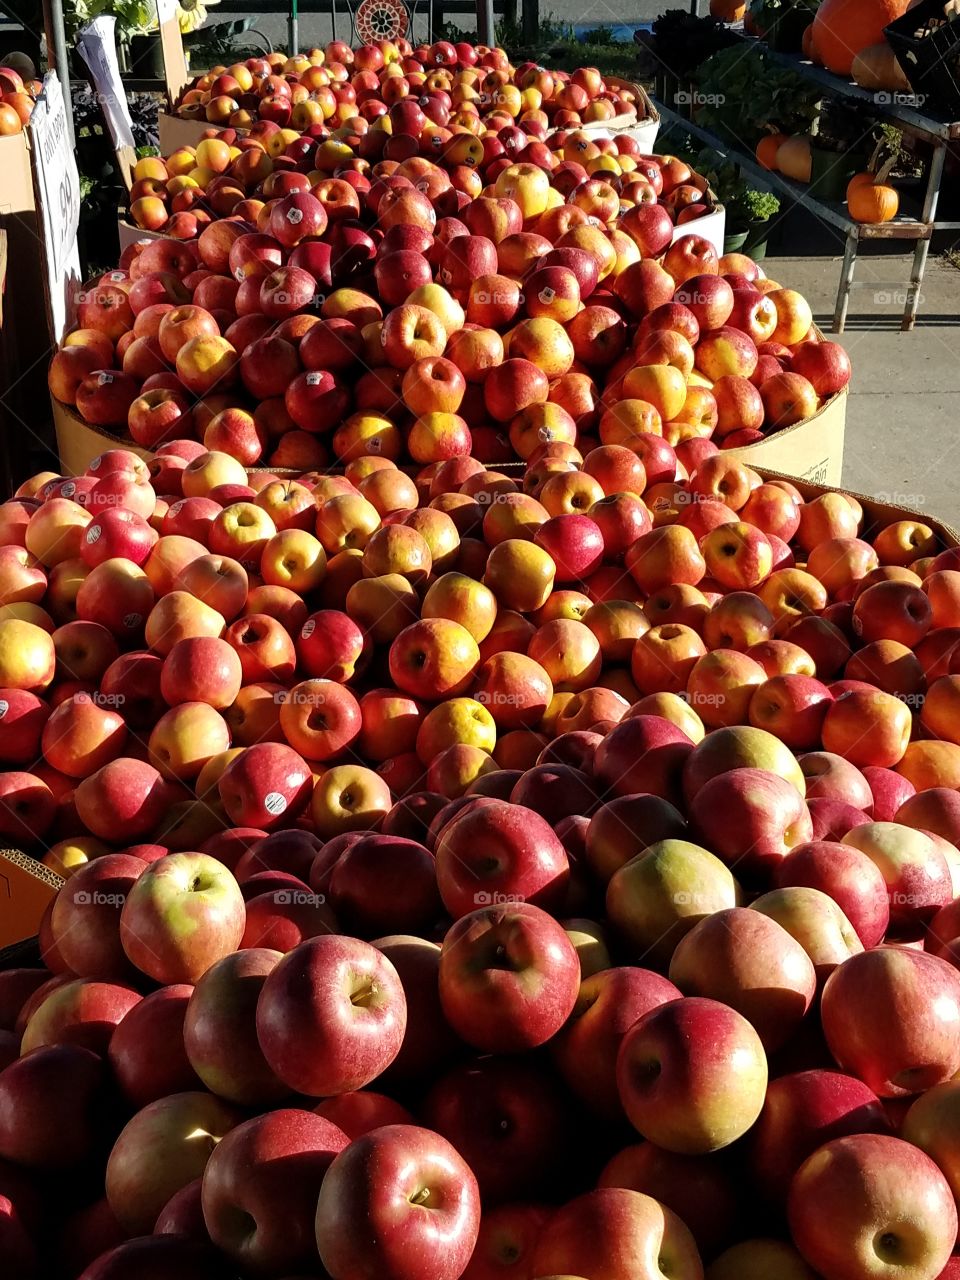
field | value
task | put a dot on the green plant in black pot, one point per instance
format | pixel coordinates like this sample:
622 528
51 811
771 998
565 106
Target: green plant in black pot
749 215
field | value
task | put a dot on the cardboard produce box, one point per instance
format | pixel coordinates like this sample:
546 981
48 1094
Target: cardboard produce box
26 888
176 132
812 450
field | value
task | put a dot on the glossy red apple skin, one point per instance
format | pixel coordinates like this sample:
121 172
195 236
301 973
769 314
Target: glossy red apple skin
313 1036
382 1179
802 1111
895 1054
500 852
509 977
505 1117
261 1185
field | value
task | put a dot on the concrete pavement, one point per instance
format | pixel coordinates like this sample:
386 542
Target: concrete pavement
903 410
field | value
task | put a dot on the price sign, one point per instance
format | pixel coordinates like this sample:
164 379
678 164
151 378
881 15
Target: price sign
58 197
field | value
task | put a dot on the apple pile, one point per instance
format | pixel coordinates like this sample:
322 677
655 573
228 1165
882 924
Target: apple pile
17 98
358 321
470 875
455 85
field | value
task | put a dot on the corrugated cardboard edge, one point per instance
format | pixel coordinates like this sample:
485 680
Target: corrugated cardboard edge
129 234
19 921
175 132
812 450
33 867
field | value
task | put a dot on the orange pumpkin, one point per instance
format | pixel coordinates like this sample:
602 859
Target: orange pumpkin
768 147
727 10
843 28
871 201
808 46
795 159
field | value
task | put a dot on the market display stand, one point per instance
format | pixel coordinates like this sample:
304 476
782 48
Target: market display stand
894 107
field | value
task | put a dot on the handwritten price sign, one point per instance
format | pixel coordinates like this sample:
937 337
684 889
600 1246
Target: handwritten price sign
58 192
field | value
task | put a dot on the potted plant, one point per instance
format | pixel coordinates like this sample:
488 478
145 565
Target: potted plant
748 215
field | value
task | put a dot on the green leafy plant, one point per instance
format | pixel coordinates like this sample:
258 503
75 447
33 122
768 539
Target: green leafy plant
753 205
742 93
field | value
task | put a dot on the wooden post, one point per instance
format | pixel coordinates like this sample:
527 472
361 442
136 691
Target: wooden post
175 72
531 21
485 26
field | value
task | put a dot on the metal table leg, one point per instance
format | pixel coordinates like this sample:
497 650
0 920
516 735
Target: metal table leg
846 281
930 201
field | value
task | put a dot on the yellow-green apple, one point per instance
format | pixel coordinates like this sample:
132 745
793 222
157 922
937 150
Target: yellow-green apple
458 720
27 656
931 1125
896 1056
184 912
794 317
160 1150
383 606
585 1050
267 785
176 616
872 1205
692 1075
55 531
124 801
520 575
147 1056
508 975
399 1165
346 521
349 797
742 747
463 600
331 1016
814 920
219 1029
643 754
660 895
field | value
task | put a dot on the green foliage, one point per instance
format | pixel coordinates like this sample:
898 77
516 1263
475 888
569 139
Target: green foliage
682 41
134 17
745 93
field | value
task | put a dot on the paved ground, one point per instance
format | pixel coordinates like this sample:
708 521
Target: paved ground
903 425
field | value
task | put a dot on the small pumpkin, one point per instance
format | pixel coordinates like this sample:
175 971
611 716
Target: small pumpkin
795 159
876 67
728 10
767 149
843 28
872 201
807 45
